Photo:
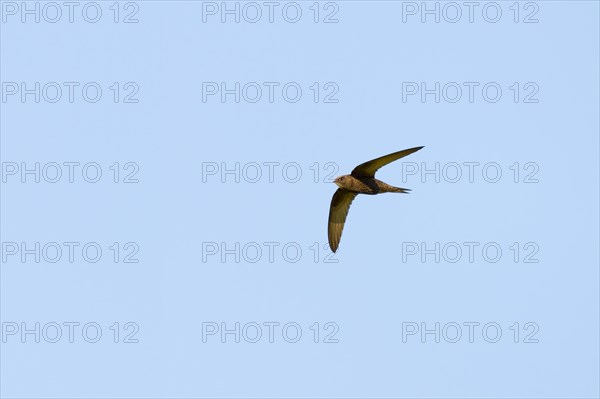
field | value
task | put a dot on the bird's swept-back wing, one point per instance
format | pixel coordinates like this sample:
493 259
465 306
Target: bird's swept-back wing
340 204
368 169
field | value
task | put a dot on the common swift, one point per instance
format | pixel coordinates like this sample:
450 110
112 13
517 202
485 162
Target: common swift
361 181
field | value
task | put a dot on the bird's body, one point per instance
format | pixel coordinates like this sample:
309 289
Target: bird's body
366 185
361 181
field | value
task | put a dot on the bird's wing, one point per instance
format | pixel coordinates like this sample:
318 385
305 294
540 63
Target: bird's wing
340 204
368 169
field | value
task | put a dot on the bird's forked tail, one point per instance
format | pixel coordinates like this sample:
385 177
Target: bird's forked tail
391 189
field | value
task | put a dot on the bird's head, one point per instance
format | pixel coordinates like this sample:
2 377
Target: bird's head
341 181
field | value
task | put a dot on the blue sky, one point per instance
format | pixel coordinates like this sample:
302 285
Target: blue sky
184 168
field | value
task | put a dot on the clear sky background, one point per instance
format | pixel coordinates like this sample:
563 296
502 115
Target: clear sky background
185 226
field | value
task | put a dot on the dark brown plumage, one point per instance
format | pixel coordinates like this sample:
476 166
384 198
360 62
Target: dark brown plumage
360 181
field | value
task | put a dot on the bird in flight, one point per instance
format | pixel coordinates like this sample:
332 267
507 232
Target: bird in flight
361 181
